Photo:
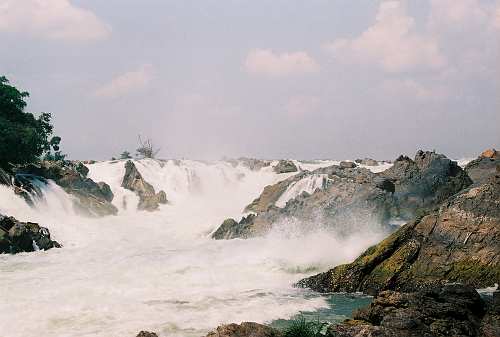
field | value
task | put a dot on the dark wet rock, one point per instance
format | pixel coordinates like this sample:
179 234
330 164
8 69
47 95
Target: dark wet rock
425 182
149 200
348 164
245 329
82 169
490 324
91 198
146 334
459 242
485 166
285 166
452 310
106 192
17 236
354 197
231 229
366 162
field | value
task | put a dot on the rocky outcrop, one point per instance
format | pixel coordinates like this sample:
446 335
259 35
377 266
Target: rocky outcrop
459 242
451 310
425 182
245 329
485 166
17 236
272 193
149 200
91 198
357 196
366 162
285 166
231 229
146 334
347 164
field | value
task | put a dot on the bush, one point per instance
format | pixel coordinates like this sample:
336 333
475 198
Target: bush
23 137
300 327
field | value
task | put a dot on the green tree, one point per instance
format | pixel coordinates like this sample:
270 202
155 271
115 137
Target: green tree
125 155
23 136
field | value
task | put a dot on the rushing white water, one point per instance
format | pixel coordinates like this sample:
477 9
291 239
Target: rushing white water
160 271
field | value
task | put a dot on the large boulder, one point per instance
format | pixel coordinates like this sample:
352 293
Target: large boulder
17 236
353 197
347 164
149 200
453 310
423 183
91 198
485 166
367 162
285 166
459 242
245 329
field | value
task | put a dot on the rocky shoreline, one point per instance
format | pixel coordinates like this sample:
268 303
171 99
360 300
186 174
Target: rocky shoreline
424 275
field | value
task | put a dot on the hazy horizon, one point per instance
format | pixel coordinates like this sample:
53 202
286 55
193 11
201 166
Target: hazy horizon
281 79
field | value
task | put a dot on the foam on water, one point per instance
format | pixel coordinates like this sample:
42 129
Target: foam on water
160 270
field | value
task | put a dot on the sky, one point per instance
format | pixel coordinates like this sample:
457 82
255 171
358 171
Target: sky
302 79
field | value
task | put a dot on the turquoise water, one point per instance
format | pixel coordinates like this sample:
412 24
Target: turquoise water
340 307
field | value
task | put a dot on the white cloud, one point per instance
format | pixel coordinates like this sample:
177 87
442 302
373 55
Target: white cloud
51 19
392 42
266 62
126 83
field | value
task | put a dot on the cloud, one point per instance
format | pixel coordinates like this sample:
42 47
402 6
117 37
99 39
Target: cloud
496 17
392 43
266 62
51 19
126 83
410 88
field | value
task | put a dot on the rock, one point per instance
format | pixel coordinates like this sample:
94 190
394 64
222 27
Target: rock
366 162
485 166
285 166
106 191
254 164
91 199
146 334
353 197
82 169
16 236
459 242
271 194
490 153
451 310
425 182
133 181
245 329
231 229
348 164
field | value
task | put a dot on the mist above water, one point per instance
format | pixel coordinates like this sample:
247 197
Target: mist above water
160 270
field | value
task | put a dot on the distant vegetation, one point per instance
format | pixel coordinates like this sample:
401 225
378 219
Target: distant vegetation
146 149
24 137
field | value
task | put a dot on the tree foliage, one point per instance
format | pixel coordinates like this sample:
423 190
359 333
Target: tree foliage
23 136
125 155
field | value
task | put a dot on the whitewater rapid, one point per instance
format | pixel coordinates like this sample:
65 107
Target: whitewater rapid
160 271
